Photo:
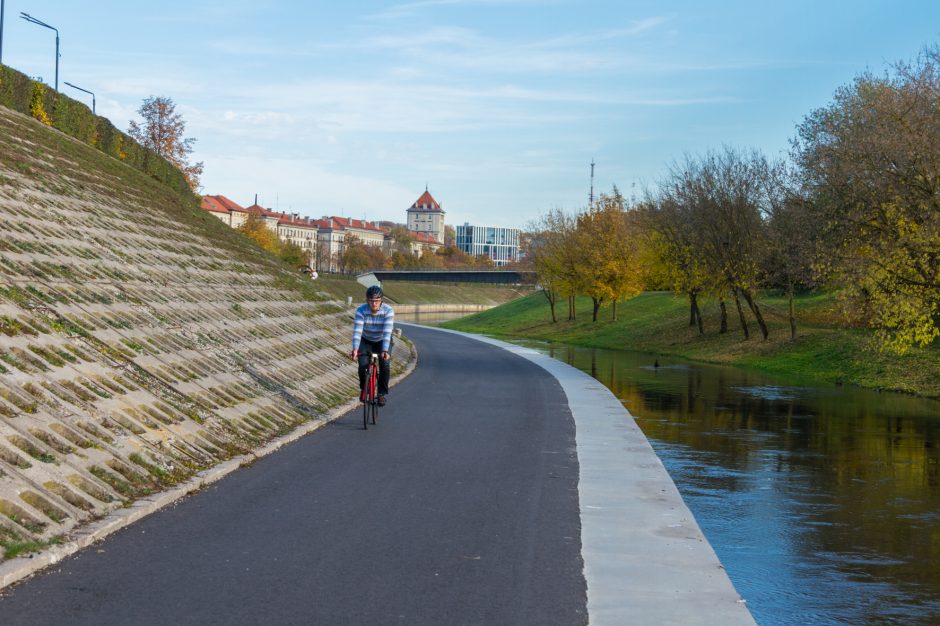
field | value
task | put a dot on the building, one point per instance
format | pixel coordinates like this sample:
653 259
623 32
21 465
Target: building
325 239
499 244
300 231
221 207
427 216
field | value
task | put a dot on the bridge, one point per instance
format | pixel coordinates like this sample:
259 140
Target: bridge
493 277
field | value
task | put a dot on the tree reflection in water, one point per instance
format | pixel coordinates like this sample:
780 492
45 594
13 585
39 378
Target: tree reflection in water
823 503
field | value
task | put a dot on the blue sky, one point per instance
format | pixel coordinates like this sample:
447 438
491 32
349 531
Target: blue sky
499 106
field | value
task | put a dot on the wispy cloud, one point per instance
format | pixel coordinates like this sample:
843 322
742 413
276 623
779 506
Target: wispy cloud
408 9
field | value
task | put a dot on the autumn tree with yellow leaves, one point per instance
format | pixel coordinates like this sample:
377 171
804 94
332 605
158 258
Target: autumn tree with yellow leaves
870 162
161 132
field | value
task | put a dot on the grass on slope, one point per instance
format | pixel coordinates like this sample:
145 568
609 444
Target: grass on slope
657 323
406 292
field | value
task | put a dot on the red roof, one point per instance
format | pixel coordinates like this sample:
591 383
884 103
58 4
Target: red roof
422 237
219 204
293 219
348 222
425 203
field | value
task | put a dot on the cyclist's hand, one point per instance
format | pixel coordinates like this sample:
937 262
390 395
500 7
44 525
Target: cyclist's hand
354 355
386 356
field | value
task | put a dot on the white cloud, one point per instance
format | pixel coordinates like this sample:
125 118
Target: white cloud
307 188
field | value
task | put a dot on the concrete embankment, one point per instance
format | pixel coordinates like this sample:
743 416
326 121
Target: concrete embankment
142 341
646 561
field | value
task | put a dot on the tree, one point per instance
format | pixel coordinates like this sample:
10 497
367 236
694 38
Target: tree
871 164
721 195
402 240
791 237
354 257
293 255
162 133
608 253
557 258
670 242
255 229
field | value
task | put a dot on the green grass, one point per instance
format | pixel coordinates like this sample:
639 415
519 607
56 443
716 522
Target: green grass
15 547
824 351
406 292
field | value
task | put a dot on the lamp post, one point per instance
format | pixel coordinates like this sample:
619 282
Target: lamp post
30 18
1 31
86 91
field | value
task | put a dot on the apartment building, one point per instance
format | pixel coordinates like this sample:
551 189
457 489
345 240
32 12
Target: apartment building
324 238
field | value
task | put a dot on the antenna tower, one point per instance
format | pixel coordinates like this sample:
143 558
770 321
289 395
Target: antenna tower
591 195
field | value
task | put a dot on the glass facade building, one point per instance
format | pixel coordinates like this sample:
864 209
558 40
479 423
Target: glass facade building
499 244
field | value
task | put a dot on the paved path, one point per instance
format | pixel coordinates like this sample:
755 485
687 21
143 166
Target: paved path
646 560
459 507
500 487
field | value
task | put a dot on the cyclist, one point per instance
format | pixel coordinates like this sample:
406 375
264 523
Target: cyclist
372 334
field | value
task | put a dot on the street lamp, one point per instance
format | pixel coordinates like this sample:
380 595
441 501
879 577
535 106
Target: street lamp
30 18
1 31
86 91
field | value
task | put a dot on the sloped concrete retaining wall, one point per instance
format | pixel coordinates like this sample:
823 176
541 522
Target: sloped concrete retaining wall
135 351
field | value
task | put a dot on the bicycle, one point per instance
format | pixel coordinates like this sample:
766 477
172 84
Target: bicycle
369 394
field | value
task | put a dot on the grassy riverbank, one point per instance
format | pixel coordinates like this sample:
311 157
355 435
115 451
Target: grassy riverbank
406 292
657 323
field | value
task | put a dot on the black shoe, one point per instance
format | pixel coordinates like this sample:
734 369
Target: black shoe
381 400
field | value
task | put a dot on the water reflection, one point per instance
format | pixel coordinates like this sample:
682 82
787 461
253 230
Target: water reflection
822 503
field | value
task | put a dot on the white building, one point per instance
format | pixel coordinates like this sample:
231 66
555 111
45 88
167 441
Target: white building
427 216
499 244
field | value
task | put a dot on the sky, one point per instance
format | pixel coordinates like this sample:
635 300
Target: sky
498 107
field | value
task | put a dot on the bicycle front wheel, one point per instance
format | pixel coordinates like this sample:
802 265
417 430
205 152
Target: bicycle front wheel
365 411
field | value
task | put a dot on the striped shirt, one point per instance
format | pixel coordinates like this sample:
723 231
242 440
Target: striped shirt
373 326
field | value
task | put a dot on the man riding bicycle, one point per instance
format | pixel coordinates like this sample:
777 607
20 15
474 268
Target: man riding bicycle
372 334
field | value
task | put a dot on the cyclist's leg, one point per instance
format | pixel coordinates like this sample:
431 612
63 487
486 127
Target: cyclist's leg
385 368
365 353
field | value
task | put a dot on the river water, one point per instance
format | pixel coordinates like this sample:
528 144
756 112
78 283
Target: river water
823 503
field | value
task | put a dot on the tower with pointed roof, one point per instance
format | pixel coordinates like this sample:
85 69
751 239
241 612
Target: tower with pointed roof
427 216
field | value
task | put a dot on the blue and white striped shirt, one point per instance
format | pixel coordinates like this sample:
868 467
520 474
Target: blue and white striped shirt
373 326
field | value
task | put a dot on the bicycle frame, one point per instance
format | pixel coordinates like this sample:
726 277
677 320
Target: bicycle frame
369 395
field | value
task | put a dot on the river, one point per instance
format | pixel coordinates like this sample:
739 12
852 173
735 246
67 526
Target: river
823 503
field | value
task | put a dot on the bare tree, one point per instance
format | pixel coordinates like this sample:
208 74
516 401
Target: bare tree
162 133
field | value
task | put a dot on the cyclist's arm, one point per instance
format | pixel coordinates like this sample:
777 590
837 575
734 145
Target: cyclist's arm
387 329
358 324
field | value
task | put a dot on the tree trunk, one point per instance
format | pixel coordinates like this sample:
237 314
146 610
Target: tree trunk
695 314
572 314
614 309
737 303
597 307
790 310
551 296
724 317
756 311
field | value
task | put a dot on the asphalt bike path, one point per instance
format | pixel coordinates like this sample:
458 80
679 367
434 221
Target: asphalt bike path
461 506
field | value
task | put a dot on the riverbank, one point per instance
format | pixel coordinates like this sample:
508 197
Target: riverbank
825 351
400 292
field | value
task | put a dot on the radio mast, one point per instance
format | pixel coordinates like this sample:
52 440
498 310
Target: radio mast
591 195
